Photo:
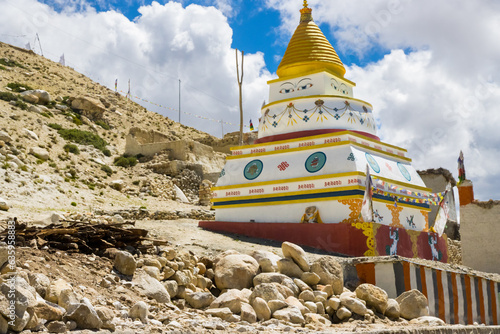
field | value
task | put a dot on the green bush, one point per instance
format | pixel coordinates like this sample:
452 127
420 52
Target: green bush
55 126
107 169
16 87
72 148
106 152
7 96
73 203
125 161
10 63
103 124
83 138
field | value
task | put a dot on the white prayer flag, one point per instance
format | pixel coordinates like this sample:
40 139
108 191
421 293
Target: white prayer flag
443 213
367 207
62 61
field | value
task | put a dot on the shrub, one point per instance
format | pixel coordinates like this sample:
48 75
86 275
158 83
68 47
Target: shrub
83 138
106 152
103 124
8 96
17 87
125 161
73 203
55 126
10 63
72 148
107 169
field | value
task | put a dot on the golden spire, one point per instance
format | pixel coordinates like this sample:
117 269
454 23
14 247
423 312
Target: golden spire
309 50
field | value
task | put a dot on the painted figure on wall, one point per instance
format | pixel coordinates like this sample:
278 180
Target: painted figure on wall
436 255
393 249
311 216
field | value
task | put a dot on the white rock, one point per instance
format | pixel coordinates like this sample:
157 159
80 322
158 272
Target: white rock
139 310
31 134
4 205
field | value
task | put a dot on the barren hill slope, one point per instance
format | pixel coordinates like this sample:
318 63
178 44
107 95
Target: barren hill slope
61 154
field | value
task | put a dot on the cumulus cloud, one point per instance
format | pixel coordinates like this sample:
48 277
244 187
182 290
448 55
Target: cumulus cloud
162 45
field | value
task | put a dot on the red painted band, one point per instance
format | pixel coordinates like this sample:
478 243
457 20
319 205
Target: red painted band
309 133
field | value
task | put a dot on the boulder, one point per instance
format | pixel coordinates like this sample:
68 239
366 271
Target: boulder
311 306
56 327
31 134
392 310
181 278
288 267
268 261
54 290
275 305
30 98
296 253
139 311
223 313
277 278
40 153
412 304
43 96
152 271
199 300
343 313
235 271
151 287
353 304
373 296
89 107
316 319
66 298
330 272
148 261
261 308
232 298
171 286
428 321
294 302
125 263
4 205
248 314
117 185
35 109
5 137
301 284
307 295
48 311
84 315
334 303
289 314
106 315
266 291
310 278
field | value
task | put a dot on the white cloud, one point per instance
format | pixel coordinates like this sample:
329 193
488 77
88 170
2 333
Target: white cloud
163 44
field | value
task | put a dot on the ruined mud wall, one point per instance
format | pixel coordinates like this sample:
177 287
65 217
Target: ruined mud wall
480 228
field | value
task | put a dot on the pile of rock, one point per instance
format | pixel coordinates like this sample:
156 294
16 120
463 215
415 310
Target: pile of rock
259 291
189 182
205 192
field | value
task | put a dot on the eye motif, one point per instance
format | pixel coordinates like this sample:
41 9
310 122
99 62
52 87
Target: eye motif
289 87
343 89
335 84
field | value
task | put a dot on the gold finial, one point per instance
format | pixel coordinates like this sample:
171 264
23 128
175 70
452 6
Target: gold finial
306 13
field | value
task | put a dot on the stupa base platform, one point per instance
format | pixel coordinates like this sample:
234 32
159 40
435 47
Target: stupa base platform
350 239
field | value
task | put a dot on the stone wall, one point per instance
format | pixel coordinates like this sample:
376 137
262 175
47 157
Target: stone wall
479 228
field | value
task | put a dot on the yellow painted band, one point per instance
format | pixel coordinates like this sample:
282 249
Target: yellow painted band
286 78
287 202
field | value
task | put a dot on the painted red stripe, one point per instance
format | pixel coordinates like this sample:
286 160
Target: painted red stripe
468 293
308 133
424 283
406 271
455 296
439 281
481 300
493 303
366 272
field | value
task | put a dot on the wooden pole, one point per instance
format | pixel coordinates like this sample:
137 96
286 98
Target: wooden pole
240 82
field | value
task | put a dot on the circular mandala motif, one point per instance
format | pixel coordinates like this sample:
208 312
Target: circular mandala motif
372 162
253 169
315 162
404 171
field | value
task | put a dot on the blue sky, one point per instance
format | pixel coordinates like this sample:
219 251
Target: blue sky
429 68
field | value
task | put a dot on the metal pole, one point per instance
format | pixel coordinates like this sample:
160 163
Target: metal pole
179 100
222 125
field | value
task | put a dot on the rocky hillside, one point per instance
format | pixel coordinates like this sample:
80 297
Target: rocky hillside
62 140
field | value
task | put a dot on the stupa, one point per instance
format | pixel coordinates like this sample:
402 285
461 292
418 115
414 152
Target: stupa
303 180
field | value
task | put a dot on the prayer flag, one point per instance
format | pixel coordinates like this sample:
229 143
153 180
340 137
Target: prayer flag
116 85
461 168
367 206
251 125
443 213
62 61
